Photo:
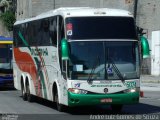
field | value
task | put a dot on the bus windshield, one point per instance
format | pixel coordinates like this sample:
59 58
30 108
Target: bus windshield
80 28
5 57
96 58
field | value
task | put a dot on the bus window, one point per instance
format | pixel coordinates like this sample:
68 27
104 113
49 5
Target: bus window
20 31
32 31
47 32
53 30
15 36
61 28
43 33
5 57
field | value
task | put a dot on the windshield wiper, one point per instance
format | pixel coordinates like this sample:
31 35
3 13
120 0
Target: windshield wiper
117 70
93 69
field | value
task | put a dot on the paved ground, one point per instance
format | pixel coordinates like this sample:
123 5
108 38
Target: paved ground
150 79
150 83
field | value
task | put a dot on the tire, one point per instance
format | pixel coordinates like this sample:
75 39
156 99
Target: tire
30 97
59 106
117 108
24 95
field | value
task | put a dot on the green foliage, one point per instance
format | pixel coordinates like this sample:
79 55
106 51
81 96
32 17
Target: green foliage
8 19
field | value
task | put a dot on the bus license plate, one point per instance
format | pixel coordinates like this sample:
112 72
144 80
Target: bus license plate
106 100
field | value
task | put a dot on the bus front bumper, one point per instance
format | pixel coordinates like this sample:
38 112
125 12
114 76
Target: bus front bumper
97 99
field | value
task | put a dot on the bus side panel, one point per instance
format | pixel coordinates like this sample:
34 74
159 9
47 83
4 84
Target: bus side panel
63 99
17 77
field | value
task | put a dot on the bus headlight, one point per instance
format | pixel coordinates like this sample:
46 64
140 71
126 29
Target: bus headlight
132 90
77 91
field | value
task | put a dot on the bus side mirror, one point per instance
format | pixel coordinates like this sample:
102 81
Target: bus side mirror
145 47
64 49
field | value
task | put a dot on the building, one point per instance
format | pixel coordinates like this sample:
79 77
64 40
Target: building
30 8
147 13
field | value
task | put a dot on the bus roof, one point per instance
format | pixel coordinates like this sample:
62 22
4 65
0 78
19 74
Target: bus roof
79 12
6 40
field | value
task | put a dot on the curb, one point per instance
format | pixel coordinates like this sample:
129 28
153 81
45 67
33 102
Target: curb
150 81
149 88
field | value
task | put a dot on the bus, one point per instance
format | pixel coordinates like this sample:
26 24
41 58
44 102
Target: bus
79 57
6 70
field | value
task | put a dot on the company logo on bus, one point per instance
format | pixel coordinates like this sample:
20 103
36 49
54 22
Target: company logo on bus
105 90
77 85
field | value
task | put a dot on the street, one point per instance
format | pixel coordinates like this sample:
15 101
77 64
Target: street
11 103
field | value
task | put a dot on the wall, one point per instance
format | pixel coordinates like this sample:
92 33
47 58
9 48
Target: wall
30 8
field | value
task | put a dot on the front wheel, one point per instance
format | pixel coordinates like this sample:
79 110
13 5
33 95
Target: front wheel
59 106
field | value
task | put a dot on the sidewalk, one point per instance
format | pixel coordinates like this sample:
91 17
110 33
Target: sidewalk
150 83
150 79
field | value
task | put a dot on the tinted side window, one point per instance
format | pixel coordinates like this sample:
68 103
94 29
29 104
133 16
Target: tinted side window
15 36
61 28
26 36
20 34
37 33
32 32
53 30
43 34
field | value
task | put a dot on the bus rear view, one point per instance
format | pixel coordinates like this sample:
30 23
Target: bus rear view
6 71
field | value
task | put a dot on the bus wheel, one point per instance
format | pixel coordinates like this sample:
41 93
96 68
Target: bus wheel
29 96
59 106
24 95
116 108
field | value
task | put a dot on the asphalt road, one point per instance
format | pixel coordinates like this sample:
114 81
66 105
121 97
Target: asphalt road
13 107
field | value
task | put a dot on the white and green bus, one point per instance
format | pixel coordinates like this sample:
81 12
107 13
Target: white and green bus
79 57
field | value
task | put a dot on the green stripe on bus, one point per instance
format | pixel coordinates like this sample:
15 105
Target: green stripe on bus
97 99
23 40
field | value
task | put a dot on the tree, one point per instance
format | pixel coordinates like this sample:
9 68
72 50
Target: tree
8 16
